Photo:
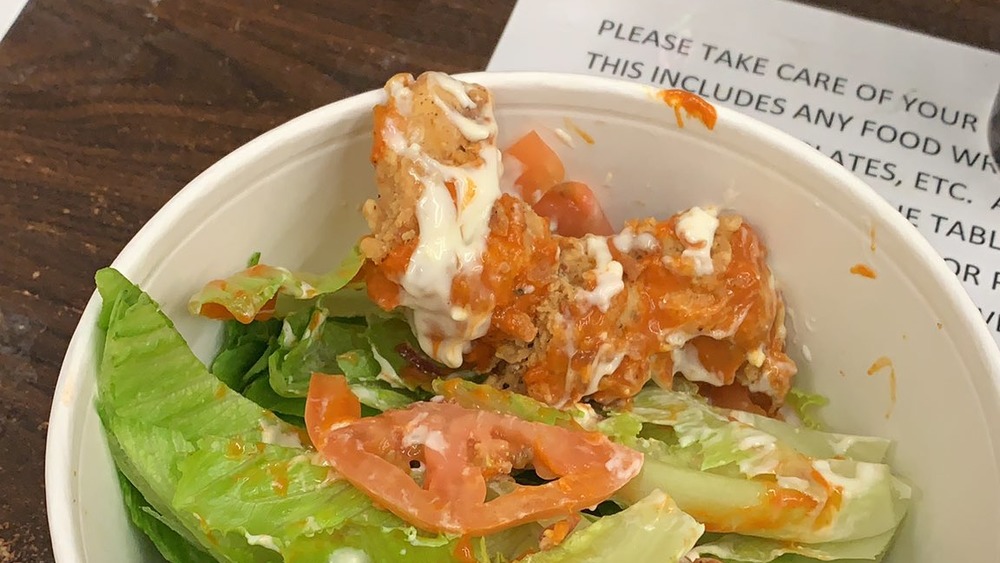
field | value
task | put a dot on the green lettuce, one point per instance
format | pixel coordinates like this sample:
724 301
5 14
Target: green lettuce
245 293
734 548
485 397
144 358
363 544
148 456
148 372
311 342
244 351
473 395
389 335
805 404
350 301
734 476
817 444
171 544
275 495
209 474
291 409
651 529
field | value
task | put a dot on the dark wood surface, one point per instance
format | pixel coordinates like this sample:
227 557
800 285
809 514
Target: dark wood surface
108 107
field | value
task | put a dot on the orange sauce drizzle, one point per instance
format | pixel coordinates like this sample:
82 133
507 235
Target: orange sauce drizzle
863 270
279 478
693 105
576 129
464 551
878 365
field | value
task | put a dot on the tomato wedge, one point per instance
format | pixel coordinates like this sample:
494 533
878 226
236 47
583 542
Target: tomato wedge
330 404
574 209
457 450
541 166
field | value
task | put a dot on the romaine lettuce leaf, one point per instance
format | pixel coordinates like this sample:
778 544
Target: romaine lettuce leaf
269 490
350 301
260 392
364 544
244 294
735 548
280 498
313 348
652 529
144 358
244 351
147 371
148 456
389 335
313 342
514 543
805 404
174 547
817 444
484 397
380 396
715 441
735 477
219 472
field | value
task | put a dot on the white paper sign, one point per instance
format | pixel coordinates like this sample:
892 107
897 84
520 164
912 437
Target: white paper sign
9 10
905 112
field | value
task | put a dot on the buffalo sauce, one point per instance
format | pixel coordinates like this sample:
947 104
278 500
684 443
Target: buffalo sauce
464 551
725 317
864 271
729 318
695 106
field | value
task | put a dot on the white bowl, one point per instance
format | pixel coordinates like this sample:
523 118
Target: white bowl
294 194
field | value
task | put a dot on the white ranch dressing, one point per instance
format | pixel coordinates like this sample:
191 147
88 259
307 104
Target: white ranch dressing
452 237
349 555
275 432
865 476
607 271
262 540
606 362
628 240
386 372
687 363
697 227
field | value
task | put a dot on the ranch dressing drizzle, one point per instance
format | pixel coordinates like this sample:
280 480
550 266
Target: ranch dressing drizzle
452 236
607 271
696 228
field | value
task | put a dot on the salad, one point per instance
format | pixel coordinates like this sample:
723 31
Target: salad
492 374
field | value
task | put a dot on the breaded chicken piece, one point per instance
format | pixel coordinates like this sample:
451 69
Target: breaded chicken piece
489 287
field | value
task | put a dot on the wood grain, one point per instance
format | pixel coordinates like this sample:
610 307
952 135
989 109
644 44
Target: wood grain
108 107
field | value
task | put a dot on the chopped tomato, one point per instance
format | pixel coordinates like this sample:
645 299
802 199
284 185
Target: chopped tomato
460 450
329 404
541 166
574 209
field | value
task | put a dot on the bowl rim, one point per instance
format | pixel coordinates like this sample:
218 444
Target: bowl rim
62 447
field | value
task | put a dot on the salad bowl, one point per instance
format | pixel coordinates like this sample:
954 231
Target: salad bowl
877 323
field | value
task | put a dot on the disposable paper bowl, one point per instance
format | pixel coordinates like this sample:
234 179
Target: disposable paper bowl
294 195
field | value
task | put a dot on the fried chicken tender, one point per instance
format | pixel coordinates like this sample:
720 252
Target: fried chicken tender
489 287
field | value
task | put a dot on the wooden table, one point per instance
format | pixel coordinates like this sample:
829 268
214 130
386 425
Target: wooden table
108 108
